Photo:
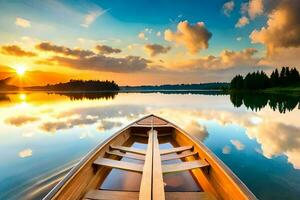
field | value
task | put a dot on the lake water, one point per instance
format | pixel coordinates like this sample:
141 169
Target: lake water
42 135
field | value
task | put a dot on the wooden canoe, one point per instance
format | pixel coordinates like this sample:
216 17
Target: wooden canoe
150 159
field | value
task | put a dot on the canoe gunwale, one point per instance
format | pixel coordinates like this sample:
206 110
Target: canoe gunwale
232 177
76 169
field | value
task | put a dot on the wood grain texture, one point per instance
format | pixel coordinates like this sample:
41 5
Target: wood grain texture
112 195
175 150
146 188
119 164
178 156
189 196
128 149
158 192
183 166
126 155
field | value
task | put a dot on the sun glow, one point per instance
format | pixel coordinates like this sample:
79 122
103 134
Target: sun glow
20 69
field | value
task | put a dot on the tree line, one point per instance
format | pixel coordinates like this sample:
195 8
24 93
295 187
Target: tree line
260 80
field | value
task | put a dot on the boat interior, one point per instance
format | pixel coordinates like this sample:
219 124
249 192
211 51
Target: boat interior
151 159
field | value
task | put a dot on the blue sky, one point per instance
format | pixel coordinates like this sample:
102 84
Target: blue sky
218 40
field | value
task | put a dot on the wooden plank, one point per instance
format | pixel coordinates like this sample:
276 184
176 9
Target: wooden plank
183 166
145 187
158 192
129 149
175 150
139 134
189 196
178 156
126 155
119 164
112 195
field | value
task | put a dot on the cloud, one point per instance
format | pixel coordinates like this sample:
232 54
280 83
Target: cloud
243 21
47 46
67 124
226 150
195 129
282 29
255 8
226 60
238 145
103 63
91 17
155 49
89 60
158 34
228 7
25 153
104 49
14 50
20 120
142 36
193 37
239 38
22 22
107 125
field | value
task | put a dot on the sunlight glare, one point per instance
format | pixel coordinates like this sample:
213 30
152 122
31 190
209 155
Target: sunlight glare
20 69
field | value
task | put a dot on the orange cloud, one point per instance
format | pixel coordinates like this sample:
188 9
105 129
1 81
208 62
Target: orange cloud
14 50
282 29
228 7
22 22
193 37
104 49
255 8
155 49
20 120
243 21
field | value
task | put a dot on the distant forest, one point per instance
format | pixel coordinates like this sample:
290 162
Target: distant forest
260 80
80 85
200 86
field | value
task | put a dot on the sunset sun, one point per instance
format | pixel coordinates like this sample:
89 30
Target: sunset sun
20 70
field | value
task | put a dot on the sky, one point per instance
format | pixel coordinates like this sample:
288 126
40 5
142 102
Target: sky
142 42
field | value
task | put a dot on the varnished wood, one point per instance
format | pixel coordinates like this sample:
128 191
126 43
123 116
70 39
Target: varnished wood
189 196
126 155
175 150
216 179
157 183
119 164
128 149
112 195
145 187
178 156
183 166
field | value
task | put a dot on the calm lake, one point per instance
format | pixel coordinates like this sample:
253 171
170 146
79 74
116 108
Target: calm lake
43 135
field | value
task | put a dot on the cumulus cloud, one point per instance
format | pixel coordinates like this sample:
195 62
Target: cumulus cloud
20 120
158 34
104 49
237 144
227 59
142 36
228 7
89 60
22 22
193 37
25 153
155 49
14 50
239 38
243 21
48 46
255 8
226 149
91 17
282 29
195 129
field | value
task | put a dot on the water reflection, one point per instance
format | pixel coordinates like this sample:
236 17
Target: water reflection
90 96
48 133
257 101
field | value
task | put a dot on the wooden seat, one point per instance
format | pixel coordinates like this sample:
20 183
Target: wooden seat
129 149
126 155
178 156
183 166
119 164
189 196
112 195
124 195
175 150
